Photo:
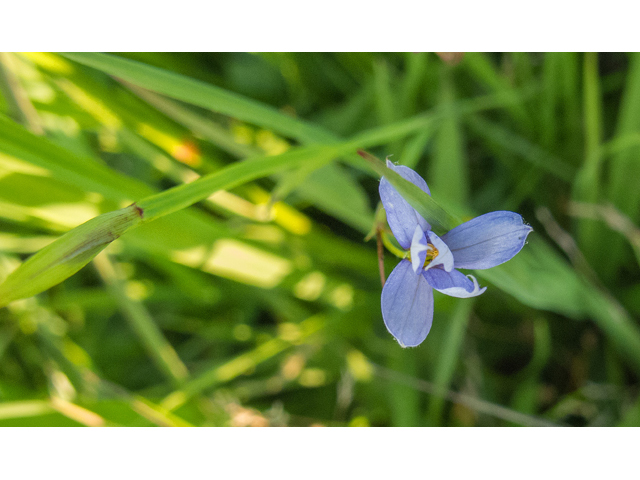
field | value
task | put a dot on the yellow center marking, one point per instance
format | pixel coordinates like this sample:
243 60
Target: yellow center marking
432 252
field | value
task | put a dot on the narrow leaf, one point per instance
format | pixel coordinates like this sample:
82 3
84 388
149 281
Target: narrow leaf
441 221
68 254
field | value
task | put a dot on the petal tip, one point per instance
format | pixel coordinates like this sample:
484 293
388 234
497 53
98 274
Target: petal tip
488 240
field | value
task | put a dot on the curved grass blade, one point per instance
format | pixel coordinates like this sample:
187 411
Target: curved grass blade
75 249
68 254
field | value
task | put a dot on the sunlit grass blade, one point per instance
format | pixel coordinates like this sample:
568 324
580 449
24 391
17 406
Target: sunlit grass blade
235 174
71 252
18 102
24 408
68 254
207 128
202 94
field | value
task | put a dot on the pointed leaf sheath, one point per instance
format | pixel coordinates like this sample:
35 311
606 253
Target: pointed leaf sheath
68 254
407 305
401 216
487 240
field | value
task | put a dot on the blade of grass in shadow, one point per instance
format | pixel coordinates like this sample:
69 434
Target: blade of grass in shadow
416 66
571 112
142 323
519 145
384 100
415 147
451 354
527 396
623 188
625 166
83 380
540 278
483 69
587 183
448 173
549 99
476 404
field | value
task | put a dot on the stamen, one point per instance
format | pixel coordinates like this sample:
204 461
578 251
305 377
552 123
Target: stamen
432 252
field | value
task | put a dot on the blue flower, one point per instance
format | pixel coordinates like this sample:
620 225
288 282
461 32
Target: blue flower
407 296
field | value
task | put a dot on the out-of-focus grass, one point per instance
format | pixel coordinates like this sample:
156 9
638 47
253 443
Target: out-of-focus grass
260 305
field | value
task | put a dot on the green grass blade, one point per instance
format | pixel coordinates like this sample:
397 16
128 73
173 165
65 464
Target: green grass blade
65 256
517 144
203 95
587 184
208 129
451 354
236 174
448 173
404 399
151 336
540 278
623 188
440 220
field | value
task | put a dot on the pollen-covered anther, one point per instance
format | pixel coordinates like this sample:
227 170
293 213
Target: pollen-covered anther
432 252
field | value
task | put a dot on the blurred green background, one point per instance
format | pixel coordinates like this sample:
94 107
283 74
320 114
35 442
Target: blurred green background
261 305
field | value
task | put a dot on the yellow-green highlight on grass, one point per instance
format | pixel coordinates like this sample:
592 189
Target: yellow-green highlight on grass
68 254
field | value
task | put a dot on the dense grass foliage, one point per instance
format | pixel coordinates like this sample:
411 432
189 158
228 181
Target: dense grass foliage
248 293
